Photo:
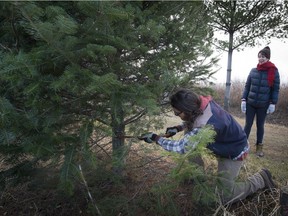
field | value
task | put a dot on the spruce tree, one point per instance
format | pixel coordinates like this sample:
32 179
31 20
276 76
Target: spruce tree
76 74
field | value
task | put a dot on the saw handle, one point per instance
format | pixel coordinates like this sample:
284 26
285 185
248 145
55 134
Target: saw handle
165 135
161 135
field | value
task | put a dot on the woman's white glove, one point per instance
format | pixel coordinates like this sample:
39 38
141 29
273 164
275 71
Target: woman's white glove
243 106
271 108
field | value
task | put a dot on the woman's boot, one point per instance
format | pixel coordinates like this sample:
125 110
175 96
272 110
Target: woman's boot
259 150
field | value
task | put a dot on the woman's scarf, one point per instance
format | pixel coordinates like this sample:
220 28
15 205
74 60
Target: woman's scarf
270 68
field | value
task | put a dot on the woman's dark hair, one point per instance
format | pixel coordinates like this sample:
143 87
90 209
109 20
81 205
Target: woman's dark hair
187 102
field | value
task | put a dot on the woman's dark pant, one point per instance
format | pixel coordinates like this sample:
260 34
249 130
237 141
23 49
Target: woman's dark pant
261 113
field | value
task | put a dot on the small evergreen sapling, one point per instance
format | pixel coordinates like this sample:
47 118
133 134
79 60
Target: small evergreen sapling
203 180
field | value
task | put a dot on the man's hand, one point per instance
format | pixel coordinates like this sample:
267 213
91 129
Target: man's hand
271 109
171 131
149 137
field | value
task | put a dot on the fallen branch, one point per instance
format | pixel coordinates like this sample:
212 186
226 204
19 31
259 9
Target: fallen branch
89 194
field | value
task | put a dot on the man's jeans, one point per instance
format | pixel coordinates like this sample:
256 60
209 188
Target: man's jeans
233 190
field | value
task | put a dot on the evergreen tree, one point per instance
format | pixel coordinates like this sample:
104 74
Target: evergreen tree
76 74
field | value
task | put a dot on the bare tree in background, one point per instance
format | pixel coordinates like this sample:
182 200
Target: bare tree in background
245 22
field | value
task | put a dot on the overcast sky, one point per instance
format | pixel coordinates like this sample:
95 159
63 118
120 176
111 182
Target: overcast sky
244 61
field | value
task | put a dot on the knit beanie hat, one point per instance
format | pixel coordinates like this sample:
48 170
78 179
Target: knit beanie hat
266 52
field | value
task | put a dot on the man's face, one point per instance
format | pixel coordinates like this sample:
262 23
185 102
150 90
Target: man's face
261 58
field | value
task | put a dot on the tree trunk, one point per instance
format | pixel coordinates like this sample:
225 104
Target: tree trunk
118 130
229 70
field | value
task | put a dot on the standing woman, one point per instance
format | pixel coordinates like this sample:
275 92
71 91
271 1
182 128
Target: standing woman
260 96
